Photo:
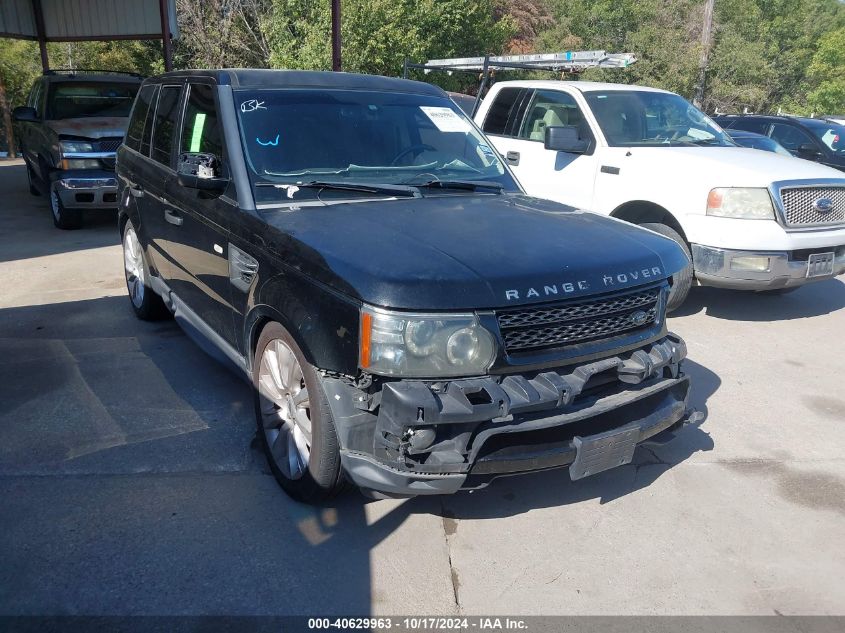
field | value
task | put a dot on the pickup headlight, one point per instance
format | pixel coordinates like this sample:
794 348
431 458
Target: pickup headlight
75 147
424 345
741 202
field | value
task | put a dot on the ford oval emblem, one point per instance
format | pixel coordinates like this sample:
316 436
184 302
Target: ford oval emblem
823 205
639 318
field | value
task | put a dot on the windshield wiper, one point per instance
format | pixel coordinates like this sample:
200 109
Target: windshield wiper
363 187
468 185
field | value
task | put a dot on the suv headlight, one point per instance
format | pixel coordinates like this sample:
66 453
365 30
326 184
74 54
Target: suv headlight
75 147
424 345
741 202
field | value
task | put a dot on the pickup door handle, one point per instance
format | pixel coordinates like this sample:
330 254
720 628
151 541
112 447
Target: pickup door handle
512 158
172 216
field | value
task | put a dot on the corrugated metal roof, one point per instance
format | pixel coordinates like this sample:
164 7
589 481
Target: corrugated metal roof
17 18
81 19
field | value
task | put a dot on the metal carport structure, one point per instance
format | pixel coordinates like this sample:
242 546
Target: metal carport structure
80 20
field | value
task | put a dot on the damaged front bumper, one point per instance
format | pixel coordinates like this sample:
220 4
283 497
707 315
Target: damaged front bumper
412 437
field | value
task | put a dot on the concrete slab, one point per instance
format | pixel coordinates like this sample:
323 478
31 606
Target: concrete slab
130 482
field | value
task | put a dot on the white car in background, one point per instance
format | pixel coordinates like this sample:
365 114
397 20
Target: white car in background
748 219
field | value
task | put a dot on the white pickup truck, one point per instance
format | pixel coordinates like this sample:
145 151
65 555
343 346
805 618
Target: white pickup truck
748 219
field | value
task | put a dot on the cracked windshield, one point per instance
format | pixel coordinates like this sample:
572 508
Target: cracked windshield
343 143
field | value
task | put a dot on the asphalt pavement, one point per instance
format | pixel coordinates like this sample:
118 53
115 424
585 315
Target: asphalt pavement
131 481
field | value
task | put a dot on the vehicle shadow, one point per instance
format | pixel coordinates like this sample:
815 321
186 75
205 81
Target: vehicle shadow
814 299
123 443
26 225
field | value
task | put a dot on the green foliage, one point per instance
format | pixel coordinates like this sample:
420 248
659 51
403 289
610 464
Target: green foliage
378 34
766 54
827 70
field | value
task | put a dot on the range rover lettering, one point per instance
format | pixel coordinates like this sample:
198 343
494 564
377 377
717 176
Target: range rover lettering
411 321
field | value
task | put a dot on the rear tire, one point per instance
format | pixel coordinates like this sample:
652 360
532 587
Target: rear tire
146 304
295 424
64 218
681 280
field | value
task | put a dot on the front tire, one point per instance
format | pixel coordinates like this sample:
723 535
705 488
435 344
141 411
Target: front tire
64 218
294 420
681 280
146 304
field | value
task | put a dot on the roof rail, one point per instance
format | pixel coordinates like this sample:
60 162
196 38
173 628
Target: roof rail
567 61
90 71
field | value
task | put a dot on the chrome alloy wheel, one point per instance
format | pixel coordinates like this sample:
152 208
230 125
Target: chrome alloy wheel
133 262
285 409
54 203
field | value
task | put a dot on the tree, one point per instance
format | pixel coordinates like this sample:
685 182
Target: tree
827 70
223 33
19 66
379 34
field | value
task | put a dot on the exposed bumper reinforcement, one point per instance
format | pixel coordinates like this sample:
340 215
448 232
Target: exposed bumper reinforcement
436 438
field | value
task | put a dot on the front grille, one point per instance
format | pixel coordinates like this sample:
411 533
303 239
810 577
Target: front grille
578 321
108 144
798 207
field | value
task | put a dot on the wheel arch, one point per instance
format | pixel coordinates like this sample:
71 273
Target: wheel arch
644 211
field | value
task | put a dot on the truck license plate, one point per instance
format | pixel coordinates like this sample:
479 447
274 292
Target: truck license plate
597 453
820 265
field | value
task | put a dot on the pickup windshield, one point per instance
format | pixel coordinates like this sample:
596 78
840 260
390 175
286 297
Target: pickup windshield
353 136
75 99
653 119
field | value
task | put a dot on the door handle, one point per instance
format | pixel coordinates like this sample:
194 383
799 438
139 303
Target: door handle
137 191
512 158
172 216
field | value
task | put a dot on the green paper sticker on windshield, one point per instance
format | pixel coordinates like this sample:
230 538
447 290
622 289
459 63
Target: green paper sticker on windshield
196 135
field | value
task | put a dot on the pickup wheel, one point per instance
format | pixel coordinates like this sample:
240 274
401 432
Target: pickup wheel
295 423
146 304
682 280
63 218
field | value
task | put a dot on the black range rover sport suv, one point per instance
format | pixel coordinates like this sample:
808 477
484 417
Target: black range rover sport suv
411 321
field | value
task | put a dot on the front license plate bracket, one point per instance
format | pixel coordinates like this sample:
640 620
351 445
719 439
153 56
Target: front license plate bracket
597 453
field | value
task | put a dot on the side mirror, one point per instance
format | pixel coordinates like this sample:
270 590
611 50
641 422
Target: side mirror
200 171
808 151
24 113
564 138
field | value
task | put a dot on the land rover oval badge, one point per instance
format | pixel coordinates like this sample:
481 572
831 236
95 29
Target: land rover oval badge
823 205
639 318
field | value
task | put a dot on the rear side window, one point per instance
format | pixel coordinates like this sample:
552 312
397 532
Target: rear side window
790 136
135 132
500 110
751 125
166 120
201 127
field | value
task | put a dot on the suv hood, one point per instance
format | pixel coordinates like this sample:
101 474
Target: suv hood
90 127
727 166
468 251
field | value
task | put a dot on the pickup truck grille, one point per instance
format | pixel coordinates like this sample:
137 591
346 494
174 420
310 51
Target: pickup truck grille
798 209
575 322
108 144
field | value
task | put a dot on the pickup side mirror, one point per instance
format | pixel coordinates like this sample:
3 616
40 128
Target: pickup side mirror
808 151
24 113
198 170
564 138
